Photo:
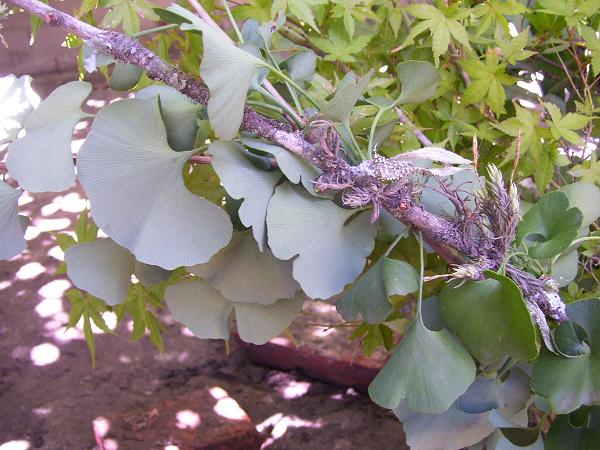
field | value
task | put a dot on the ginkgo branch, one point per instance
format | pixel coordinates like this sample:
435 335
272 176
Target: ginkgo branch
439 232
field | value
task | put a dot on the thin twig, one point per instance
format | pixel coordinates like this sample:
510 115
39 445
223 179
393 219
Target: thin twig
517 157
418 133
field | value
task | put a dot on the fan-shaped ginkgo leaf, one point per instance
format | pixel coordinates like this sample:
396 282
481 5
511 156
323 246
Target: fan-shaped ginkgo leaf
331 252
104 268
227 70
138 197
459 427
429 370
340 107
295 168
12 241
245 274
41 161
101 267
369 295
242 179
179 115
206 313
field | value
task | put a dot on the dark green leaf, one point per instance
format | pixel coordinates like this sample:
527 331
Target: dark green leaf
490 317
550 224
429 369
569 382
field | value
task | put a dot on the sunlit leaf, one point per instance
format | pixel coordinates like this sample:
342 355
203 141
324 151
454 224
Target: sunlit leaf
207 313
436 154
17 101
42 160
331 252
579 195
490 317
12 226
242 273
135 186
242 180
550 224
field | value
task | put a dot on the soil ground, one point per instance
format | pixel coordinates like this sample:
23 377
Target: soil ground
50 394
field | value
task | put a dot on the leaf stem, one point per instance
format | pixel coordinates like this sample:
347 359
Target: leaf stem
284 77
283 105
378 116
421 278
233 24
391 247
139 34
578 241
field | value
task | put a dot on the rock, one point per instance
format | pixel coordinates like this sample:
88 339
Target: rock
322 353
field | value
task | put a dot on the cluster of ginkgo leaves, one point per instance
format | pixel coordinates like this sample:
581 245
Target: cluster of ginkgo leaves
240 244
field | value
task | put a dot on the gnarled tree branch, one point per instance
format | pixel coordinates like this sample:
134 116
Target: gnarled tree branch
437 231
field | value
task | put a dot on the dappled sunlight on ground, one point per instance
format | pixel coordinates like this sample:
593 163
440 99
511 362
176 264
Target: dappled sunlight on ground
15 445
44 354
187 419
279 425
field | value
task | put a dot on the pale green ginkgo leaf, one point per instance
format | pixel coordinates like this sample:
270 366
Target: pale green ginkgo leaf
579 195
429 370
138 197
331 253
202 309
302 65
149 274
101 267
41 161
339 108
436 154
295 168
259 323
461 426
124 76
104 268
17 101
206 313
228 72
179 115
369 295
241 179
419 80
245 274
12 230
